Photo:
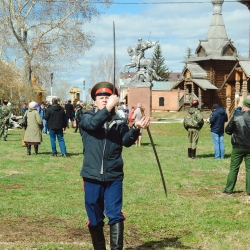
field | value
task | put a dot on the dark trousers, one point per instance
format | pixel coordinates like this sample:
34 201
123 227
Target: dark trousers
103 197
237 156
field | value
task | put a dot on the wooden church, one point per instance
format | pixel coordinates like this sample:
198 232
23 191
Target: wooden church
217 73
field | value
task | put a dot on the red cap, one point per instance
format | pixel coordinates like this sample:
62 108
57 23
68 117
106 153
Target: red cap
195 102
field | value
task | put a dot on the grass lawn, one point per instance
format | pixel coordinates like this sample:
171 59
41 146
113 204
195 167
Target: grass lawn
42 198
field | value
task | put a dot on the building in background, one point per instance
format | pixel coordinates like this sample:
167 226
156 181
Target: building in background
217 73
163 97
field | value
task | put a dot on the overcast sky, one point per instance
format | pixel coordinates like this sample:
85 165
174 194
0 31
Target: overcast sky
176 24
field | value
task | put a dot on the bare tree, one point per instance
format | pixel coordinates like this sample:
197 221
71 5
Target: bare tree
104 70
62 90
44 36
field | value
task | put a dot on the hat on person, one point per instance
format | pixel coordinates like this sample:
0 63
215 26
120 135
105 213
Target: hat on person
195 103
138 105
246 103
215 106
103 89
32 105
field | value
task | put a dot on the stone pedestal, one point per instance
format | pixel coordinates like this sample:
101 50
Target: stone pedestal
140 93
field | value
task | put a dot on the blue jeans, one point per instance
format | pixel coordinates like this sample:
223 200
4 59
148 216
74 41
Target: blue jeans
219 148
59 133
45 128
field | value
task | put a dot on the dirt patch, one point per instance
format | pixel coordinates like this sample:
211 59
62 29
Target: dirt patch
25 232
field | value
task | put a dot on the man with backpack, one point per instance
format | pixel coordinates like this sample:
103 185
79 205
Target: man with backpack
193 122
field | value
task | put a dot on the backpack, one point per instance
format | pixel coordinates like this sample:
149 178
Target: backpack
190 121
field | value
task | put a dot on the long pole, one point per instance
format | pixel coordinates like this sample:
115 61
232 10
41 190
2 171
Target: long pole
149 134
114 54
158 162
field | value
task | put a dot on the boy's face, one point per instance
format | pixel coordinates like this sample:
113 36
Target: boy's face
101 101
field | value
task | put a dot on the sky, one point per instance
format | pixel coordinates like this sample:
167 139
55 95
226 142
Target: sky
176 24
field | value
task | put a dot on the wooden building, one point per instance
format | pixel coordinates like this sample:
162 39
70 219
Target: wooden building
217 73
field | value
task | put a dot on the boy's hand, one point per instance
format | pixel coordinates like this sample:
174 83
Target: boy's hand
112 102
143 123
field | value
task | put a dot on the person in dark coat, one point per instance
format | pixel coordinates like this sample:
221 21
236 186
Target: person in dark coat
104 133
69 110
78 114
217 121
239 129
56 122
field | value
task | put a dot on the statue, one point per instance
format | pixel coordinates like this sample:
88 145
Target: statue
143 65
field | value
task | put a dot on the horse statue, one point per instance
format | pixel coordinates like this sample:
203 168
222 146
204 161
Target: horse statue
144 63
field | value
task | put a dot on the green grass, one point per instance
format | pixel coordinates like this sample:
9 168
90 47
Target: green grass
42 199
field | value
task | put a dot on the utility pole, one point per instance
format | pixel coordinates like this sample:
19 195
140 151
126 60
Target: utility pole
51 79
10 90
83 92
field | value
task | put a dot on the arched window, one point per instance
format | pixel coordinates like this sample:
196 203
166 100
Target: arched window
161 101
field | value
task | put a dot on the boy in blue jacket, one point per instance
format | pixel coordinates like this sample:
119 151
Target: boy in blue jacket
103 134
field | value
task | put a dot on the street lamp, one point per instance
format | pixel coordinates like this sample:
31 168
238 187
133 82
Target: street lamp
84 93
10 90
51 79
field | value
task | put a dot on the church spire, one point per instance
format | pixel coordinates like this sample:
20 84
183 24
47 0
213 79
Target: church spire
217 34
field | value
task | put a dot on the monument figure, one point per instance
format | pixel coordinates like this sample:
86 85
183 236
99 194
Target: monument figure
142 64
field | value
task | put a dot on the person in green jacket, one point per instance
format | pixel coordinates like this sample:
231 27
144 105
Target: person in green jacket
193 122
4 120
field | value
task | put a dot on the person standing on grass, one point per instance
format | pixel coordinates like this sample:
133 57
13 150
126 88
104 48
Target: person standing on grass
193 123
69 110
103 134
57 122
42 114
33 132
4 120
78 114
137 116
239 129
217 121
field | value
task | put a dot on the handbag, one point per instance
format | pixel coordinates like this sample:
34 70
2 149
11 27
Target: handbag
24 123
23 143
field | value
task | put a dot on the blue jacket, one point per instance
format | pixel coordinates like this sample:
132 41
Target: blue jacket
103 136
217 120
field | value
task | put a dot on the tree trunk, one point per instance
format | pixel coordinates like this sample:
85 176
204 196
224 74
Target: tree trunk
27 70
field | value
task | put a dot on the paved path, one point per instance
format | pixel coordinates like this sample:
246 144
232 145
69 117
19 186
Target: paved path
167 120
